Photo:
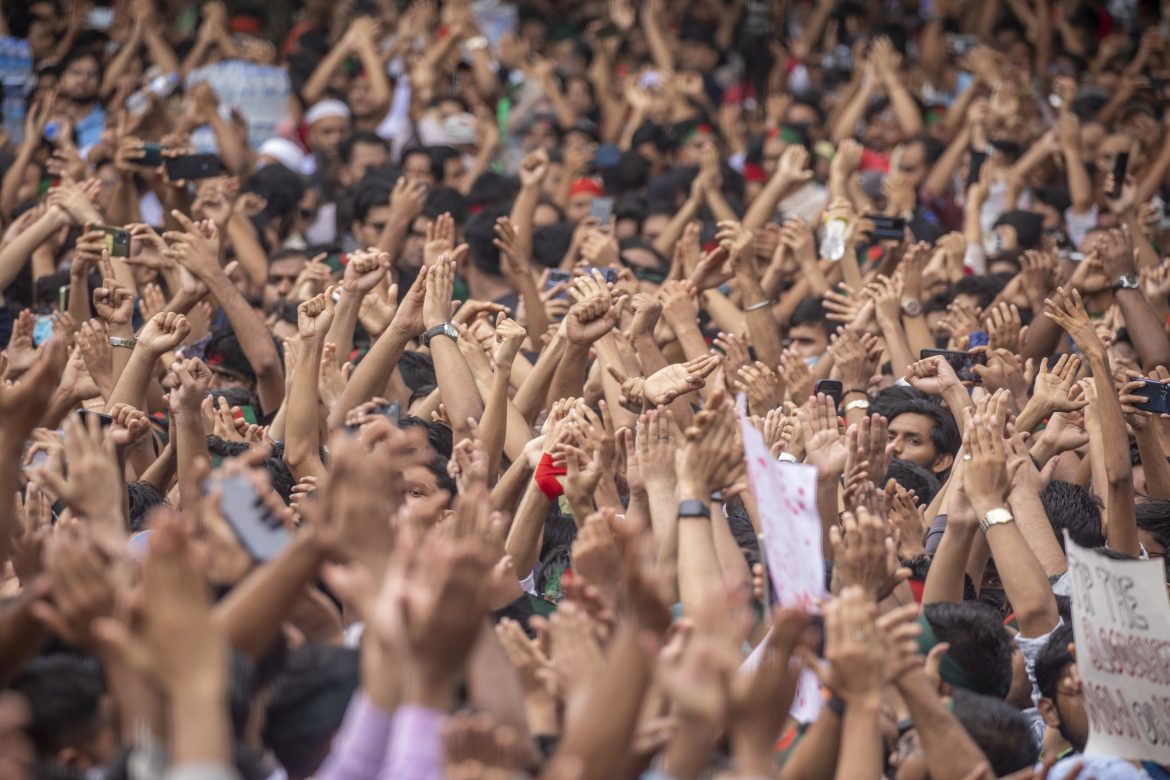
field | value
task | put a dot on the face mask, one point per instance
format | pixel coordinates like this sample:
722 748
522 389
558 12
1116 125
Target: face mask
43 330
995 597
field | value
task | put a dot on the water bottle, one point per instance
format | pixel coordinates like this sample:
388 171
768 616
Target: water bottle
833 245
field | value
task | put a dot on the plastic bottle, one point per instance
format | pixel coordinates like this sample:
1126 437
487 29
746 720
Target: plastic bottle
833 244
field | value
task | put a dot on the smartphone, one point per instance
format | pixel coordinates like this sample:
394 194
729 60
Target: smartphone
261 533
104 420
1157 395
1120 167
117 240
151 156
601 209
609 274
887 228
392 410
976 167
193 166
963 363
555 277
830 387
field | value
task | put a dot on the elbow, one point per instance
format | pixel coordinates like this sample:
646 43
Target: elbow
1036 620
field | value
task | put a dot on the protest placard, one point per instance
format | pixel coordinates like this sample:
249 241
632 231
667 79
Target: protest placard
786 500
1121 622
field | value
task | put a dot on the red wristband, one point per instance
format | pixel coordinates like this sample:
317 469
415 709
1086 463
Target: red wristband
546 477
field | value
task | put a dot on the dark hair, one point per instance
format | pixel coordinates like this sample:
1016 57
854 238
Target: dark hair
984 288
64 693
480 234
1053 659
278 471
1154 518
442 200
978 644
143 498
811 311
629 175
944 433
307 704
282 190
914 477
223 351
417 369
1075 509
637 242
550 243
1000 730
492 189
361 137
438 466
439 157
439 436
370 194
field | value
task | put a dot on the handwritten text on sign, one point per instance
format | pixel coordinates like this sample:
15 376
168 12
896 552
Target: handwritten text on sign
1121 621
786 499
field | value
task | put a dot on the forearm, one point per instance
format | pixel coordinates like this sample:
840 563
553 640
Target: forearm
302 445
944 581
527 529
1024 580
569 379
847 120
723 313
14 179
123 208
1146 331
532 394
510 488
673 231
15 253
1121 526
765 336
200 730
861 753
1080 188
345 317
251 614
371 375
162 470
79 297
1154 463
760 211
130 387
899 349
494 423
318 82
813 758
827 487
456 385
190 448
160 51
255 341
950 752
251 256
906 110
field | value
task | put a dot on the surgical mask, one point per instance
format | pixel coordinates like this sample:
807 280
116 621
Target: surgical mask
42 330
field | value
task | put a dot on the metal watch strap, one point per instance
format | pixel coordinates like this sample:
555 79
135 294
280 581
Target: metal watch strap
119 341
693 507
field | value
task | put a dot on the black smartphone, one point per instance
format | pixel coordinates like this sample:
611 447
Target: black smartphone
976 167
1120 168
104 420
601 209
609 274
151 155
193 166
887 228
1157 395
117 240
963 363
555 277
830 387
261 533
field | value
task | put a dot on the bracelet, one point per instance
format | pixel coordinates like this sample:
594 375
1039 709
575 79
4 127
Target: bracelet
787 458
757 306
860 403
835 705
857 390
546 477
119 341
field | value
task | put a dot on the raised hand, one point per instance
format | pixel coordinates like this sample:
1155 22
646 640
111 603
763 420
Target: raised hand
114 303
194 379
590 319
314 316
668 383
163 333
366 270
1067 310
510 336
824 445
933 376
440 282
865 555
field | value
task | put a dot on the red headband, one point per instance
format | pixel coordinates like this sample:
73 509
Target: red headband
586 186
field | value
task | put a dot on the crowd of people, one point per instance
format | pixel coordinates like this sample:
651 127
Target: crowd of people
409 441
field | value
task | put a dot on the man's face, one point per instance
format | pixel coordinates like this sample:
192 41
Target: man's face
653 226
690 152
282 276
221 379
325 135
912 163
910 436
417 167
578 207
365 157
1065 711
424 498
770 154
79 81
412 250
359 98
452 170
369 231
808 340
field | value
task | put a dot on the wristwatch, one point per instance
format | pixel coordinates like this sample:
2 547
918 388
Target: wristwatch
997 516
442 329
119 341
693 507
1127 282
912 307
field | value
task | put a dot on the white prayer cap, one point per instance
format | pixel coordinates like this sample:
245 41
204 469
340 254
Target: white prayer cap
326 109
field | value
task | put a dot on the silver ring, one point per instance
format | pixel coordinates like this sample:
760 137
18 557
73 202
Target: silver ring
966 457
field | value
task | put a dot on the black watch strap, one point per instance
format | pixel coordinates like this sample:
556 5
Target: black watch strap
693 507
